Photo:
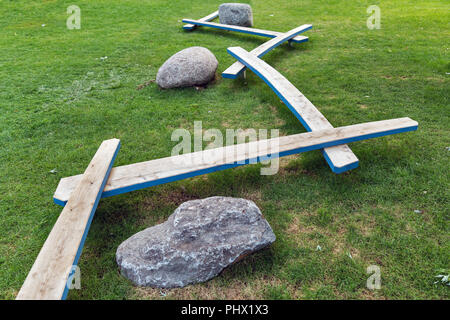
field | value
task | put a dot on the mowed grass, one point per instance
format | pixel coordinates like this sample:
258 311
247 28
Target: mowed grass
59 100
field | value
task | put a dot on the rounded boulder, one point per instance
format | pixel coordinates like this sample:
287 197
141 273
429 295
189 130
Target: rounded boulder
194 66
238 14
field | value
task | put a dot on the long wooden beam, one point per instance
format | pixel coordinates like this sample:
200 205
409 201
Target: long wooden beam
237 68
228 27
154 172
209 17
49 275
339 158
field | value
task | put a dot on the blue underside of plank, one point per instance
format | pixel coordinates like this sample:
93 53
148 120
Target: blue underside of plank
248 161
263 34
234 76
59 202
91 216
297 115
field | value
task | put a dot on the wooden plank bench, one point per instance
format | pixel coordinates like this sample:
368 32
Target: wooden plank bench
237 68
339 158
209 17
258 32
48 277
159 171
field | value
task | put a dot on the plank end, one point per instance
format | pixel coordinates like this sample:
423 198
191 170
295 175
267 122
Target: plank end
189 27
227 75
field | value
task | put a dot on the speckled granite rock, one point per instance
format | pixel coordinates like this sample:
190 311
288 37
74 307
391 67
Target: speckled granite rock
199 240
238 14
188 67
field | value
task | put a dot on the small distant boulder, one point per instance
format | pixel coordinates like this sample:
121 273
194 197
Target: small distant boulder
199 240
238 14
194 66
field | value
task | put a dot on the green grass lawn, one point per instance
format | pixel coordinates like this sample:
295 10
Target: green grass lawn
59 100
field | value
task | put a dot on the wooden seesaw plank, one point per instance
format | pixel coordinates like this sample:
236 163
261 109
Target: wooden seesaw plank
209 17
48 277
237 68
339 158
258 32
154 172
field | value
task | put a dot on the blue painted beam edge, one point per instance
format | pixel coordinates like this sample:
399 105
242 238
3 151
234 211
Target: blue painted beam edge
288 39
237 30
185 27
234 76
83 238
297 115
251 67
339 170
248 161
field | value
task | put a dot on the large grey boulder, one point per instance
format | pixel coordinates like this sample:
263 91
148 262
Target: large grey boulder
195 244
188 67
239 14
